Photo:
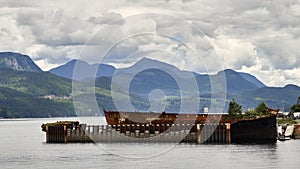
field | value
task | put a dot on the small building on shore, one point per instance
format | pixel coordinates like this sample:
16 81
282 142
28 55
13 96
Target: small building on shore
296 115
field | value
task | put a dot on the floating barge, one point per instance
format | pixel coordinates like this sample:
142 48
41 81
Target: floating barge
165 127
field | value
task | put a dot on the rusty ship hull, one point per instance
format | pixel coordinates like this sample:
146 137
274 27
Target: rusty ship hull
260 130
256 130
120 118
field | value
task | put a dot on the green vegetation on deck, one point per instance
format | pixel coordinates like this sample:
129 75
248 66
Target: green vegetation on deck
284 121
235 111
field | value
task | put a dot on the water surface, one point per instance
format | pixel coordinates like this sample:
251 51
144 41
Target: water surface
22 145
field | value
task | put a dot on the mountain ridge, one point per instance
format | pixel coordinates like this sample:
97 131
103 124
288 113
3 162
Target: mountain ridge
82 70
139 65
27 91
252 79
17 61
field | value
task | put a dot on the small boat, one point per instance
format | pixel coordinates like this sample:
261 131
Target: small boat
280 133
287 134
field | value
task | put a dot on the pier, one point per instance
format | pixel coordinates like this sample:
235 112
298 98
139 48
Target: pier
185 133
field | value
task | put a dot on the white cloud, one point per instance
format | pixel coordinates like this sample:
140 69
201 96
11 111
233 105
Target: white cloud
259 37
107 18
274 77
234 53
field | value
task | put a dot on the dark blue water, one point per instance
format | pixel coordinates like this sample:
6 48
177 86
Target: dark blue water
22 145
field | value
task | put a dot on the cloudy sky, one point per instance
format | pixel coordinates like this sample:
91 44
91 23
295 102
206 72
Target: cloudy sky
261 37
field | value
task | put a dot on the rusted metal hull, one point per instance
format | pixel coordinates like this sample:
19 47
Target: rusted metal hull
165 127
261 130
119 118
256 130
296 134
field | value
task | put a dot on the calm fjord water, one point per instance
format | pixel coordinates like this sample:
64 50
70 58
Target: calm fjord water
22 145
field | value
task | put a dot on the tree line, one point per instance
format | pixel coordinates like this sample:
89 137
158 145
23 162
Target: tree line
235 110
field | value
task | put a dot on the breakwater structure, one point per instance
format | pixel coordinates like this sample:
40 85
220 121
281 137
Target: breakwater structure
59 132
242 131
